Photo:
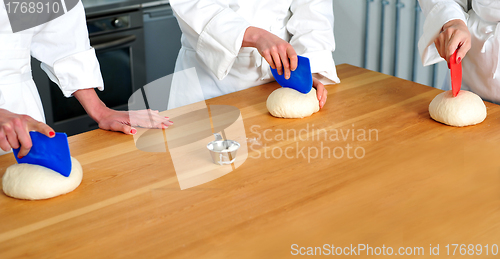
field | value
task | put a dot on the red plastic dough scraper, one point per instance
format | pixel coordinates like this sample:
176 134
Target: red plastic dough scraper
456 74
52 153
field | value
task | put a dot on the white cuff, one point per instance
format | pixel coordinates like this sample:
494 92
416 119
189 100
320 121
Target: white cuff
437 17
220 42
322 63
76 72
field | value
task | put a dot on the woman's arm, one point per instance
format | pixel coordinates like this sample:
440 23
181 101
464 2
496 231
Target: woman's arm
445 30
15 128
217 33
124 121
214 31
311 27
275 50
454 35
63 46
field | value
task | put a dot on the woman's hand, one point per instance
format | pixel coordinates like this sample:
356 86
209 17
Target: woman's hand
15 128
123 121
320 92
278 53
454 35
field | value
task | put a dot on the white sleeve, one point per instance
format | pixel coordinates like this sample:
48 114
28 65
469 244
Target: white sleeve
215 31
63 47
437 13
311 27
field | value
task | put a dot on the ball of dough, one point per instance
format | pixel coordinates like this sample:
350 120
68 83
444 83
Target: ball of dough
289 103
34 182
465 109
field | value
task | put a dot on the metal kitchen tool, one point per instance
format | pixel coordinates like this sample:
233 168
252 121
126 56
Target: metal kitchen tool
52 153
223 151
456 74
300 79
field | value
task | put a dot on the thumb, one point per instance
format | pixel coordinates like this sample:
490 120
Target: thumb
41 127
117 126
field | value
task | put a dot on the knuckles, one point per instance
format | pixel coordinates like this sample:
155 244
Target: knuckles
447 33
27 145
7 128
282 47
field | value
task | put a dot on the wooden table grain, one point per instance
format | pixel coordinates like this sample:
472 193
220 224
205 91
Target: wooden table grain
370 169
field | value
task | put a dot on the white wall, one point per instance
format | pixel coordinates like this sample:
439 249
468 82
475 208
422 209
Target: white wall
349 28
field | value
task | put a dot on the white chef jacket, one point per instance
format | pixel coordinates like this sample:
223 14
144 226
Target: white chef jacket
212 34
63 47
480 67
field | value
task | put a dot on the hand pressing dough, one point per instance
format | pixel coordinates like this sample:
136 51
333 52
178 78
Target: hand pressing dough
465 109
34 182
289 103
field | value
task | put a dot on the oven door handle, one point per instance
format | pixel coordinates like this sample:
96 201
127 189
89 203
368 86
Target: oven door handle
115 43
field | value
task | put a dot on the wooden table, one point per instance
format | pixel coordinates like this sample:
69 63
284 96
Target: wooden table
416 183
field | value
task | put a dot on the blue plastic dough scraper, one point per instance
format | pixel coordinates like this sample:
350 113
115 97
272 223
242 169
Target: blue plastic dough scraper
300 79
52 153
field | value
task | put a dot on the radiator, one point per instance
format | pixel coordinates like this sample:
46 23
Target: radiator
391 34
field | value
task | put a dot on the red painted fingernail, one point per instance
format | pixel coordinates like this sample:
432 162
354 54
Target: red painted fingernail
52 133
171 121
133 131
20 157
459 60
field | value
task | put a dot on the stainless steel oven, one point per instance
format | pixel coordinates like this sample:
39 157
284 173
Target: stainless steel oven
118 39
